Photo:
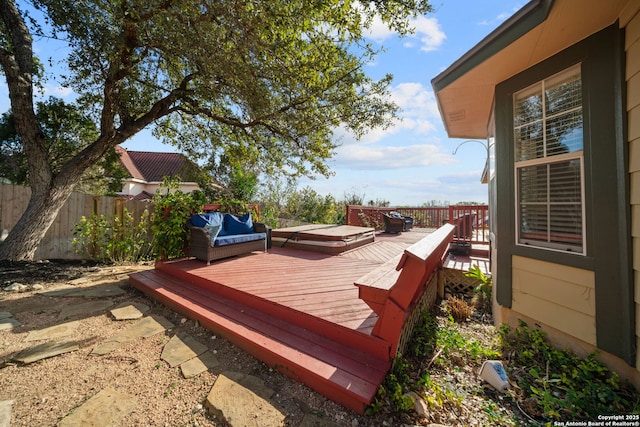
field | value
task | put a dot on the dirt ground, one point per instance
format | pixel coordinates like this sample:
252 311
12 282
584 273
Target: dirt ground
44 392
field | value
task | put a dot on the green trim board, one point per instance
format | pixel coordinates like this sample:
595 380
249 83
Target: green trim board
606 186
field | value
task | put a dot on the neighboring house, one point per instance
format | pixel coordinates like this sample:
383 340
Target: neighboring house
147 171
555 91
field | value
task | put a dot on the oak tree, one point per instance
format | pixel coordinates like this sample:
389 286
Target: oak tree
268 81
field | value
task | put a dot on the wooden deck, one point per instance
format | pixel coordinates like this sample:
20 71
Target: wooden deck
295 310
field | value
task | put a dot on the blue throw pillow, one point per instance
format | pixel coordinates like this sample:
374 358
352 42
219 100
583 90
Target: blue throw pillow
213 231
234 225
200 220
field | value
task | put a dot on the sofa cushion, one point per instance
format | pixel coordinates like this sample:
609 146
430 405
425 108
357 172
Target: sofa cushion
239 238
237 225
213 218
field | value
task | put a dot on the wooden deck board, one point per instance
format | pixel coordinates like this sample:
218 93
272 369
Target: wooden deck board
298 279
315 360
295 309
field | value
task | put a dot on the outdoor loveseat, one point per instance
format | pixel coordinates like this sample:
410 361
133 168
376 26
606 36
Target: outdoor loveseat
395 222
216 235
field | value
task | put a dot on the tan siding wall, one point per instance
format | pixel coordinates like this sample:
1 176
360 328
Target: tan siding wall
632 47
559 296
538 287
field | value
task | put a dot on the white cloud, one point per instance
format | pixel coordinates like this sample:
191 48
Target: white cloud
499 18
369 157
418 112
57 91
379 31
415 100
427 32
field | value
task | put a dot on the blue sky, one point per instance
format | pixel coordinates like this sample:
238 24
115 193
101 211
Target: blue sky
410 163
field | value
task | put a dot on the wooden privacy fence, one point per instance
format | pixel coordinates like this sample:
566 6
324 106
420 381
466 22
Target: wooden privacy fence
57 243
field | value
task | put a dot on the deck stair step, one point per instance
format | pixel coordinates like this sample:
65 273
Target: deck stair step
375 346
342 373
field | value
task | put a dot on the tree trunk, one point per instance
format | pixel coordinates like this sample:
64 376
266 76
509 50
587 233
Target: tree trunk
23 240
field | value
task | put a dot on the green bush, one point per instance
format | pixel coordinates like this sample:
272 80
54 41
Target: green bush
114 238
559 385
169 221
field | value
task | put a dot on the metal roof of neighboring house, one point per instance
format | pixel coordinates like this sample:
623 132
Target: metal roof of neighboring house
542 28
153 167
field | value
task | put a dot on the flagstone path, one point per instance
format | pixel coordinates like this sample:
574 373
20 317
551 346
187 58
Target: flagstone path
236 399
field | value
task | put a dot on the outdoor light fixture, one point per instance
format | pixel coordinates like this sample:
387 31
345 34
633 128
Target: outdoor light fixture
486 147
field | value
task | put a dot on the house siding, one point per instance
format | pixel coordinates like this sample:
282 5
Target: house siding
559 296
632 75
584 303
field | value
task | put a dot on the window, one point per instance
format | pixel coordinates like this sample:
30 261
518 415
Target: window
549 163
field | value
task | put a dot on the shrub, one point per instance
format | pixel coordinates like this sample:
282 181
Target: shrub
114 238
559 385
482 291
459 309
169 222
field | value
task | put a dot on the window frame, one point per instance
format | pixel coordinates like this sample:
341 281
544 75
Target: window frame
549 243
548 158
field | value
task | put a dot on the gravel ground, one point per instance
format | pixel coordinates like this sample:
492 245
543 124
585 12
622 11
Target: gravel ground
44 392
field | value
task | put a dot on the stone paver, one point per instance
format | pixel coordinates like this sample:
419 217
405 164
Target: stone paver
129 310
84 308
5 413
240 406
53 332
143 328
198 365
58 291
46 350
45 306
93 291
180 348
107 408
255 384
8 323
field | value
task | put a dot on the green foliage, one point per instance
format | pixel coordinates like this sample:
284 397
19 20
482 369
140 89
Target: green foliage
243 184
560 384
264 83
432 346
115 238
235 206
66 132
394 388
308 206
273 194
201 61
169 221
483 289
451 341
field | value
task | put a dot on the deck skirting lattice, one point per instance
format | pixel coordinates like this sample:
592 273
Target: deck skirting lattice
456 282
426 301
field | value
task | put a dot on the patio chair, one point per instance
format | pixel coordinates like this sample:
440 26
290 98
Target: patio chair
408 221
464 226
393 224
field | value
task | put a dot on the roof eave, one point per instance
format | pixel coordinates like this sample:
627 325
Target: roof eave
530 16
527 18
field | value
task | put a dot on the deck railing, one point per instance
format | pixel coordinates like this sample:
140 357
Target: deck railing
471 220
